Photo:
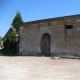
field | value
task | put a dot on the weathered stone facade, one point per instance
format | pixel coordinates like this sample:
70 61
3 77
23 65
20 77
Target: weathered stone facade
64 36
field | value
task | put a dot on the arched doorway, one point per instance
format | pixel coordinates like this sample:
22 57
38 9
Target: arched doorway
46 44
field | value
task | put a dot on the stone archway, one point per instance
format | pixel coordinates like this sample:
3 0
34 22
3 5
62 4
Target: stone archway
46 44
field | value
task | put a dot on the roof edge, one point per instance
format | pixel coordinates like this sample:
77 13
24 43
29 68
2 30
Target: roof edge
55 18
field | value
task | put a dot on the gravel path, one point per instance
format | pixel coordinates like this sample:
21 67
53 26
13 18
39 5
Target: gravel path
38 68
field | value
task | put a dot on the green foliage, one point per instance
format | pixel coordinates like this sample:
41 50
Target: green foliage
9 52
10 44
17 20
10 40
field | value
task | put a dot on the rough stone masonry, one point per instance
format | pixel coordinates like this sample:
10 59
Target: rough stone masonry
51 37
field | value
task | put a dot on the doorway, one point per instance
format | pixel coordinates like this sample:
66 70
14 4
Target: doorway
46 44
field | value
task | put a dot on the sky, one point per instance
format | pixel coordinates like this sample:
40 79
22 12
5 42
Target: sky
35 10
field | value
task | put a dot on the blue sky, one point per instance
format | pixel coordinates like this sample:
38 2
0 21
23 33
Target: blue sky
35 10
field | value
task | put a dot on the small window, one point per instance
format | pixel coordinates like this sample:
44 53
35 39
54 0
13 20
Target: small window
69 26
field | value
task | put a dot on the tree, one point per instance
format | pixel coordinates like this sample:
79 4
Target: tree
17 20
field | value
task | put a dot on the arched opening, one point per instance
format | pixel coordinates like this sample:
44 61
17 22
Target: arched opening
46 44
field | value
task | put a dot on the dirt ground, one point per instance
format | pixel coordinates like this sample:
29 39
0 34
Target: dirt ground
38 68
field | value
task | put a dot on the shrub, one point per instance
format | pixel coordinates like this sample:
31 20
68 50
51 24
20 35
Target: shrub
9 41
10 44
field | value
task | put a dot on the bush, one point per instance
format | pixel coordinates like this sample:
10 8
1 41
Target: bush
8 52
10 44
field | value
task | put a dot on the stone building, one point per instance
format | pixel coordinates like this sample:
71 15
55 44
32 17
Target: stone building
51 37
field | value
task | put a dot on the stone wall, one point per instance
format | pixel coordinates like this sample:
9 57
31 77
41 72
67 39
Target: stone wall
63 41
